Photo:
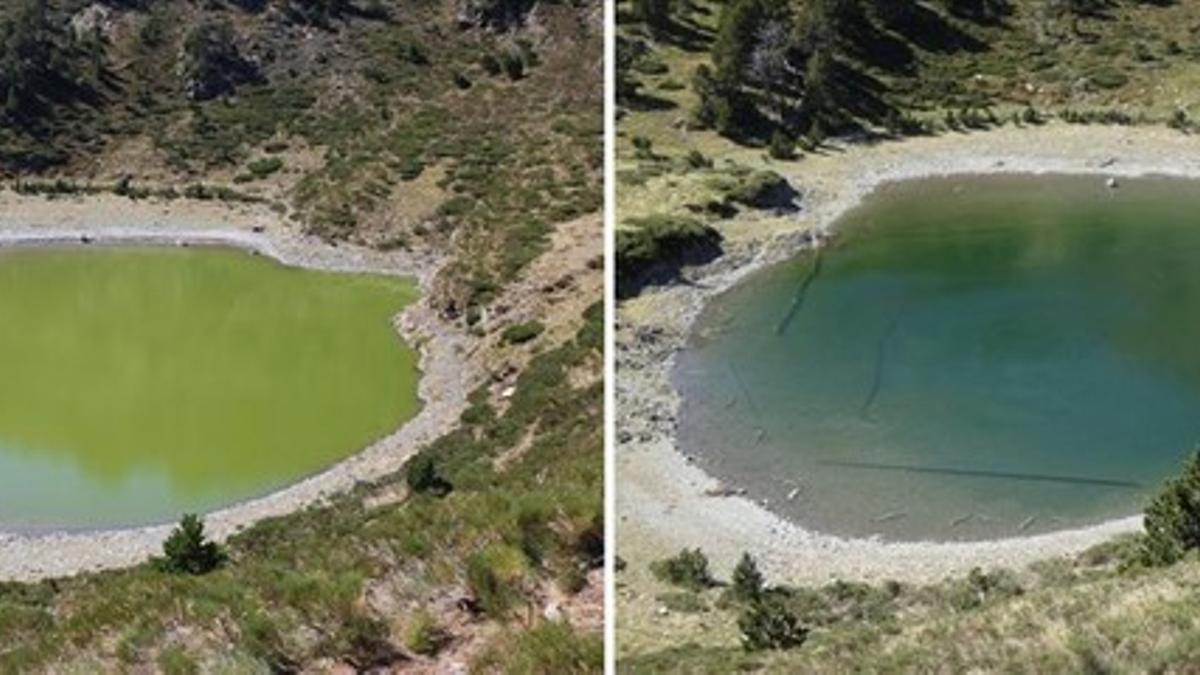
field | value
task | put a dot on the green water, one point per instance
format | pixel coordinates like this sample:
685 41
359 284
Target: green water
974 358
138 384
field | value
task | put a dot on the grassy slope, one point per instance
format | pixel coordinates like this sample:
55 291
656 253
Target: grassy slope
1072 616
1022 62
343 582
1069 616
379 140
379 149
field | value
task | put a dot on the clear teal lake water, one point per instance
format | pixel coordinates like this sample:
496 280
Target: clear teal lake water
972 358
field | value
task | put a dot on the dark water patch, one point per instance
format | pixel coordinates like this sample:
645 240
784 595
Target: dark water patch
798 302
974 473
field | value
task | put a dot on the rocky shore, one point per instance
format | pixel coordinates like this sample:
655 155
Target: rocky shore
665 502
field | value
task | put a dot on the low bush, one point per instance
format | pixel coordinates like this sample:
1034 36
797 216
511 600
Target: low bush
494 576
979 587
1107 77
362 641
548 647
696 160
424 635
689 569
768 624
661 240
261 168
520 333
423 477
782 146
761 189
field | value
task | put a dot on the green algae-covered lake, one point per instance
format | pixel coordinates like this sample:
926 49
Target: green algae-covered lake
138 384
973 358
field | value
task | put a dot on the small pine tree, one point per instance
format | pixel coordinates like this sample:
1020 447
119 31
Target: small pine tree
423 477
1172 521
747 580
188 550
768 624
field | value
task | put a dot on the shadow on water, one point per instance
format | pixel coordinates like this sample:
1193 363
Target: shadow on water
880 358
980 473
798 300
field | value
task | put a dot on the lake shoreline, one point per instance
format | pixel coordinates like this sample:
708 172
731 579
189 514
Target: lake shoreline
666 502
446 377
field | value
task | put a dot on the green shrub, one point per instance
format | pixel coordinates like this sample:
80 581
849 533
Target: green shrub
747 580
1172 520
659 236
424 635
643 148
490 64
689 569
362 641
979 587
1179 121
768 624
188 550
549 647
260 636
261 168
782 146
520 333
759 189
411 168
175 661
696 160
513 64
1108 77
423 477
494 576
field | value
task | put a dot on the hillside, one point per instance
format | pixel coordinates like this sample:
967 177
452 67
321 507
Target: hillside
744 128
466 135
1081 615
384 123
709 93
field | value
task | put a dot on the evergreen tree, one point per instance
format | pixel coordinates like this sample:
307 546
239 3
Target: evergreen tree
1172 521
737 32
768 624
747 580
188 550
29 56
656 14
